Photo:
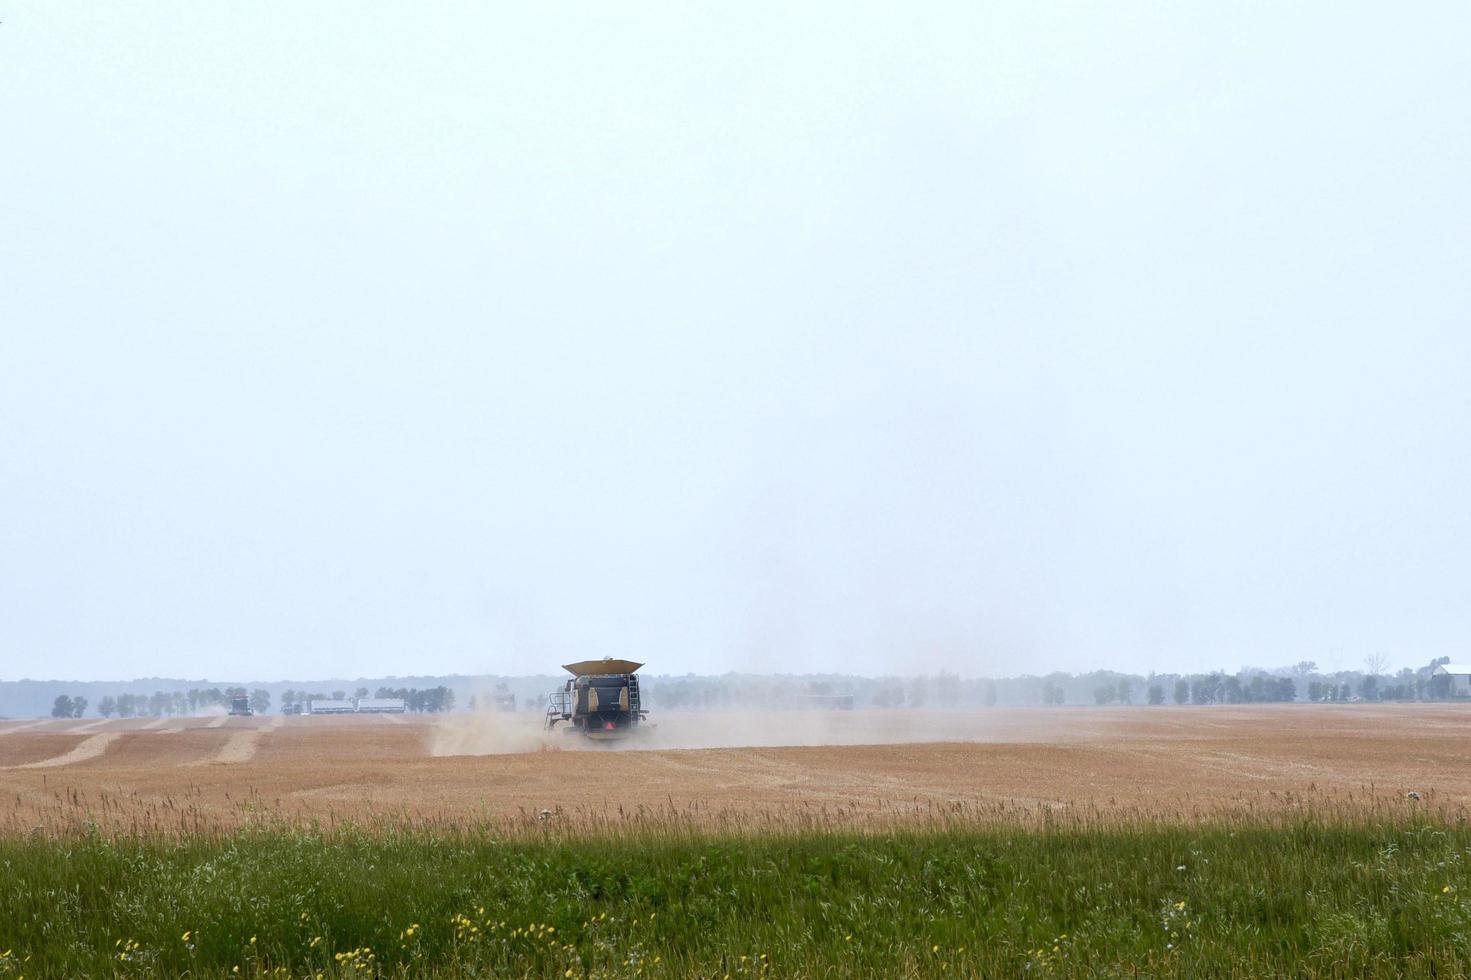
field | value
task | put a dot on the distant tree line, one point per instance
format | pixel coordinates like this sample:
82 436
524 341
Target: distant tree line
1302 681
1299 682
68 707
202 700
434 699
162 703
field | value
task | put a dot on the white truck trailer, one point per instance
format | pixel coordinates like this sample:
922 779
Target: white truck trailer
382 706
331 706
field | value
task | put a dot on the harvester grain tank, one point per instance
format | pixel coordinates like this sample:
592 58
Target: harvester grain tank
240 705
601 700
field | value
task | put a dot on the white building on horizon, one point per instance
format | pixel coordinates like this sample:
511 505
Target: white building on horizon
1460 675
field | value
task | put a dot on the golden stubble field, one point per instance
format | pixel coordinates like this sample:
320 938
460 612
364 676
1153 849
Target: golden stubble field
774 769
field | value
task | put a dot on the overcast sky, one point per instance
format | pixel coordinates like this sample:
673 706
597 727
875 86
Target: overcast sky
345 338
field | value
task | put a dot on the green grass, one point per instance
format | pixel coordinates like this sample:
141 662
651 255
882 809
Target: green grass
1385 897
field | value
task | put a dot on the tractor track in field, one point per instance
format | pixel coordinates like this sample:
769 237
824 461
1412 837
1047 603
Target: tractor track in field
86 750
242 746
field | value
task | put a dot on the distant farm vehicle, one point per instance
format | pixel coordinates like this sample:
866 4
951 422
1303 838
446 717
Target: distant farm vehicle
832 702
600 701
240 705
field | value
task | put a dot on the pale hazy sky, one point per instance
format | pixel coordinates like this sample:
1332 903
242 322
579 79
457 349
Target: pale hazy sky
367 338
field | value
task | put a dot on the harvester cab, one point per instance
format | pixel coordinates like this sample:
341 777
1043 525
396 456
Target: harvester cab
601 700
240 705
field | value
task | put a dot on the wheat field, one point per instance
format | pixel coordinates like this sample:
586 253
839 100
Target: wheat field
861 768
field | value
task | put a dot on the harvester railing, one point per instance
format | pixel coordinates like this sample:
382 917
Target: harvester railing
558 707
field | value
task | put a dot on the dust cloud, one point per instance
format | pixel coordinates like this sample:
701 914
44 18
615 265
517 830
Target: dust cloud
491 733
502 733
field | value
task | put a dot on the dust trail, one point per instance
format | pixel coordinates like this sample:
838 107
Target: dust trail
772 728
217 721
491 733
87 748
155 723
395 719
242 746
91 726
24 726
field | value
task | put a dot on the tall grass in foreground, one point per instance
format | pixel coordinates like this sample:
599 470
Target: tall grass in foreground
1388 895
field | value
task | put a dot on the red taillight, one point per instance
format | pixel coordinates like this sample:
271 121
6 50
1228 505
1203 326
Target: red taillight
609 726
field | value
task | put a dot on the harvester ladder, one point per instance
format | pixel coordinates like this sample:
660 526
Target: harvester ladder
556 708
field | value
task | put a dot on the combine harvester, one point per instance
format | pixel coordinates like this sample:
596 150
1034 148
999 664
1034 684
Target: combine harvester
601 700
